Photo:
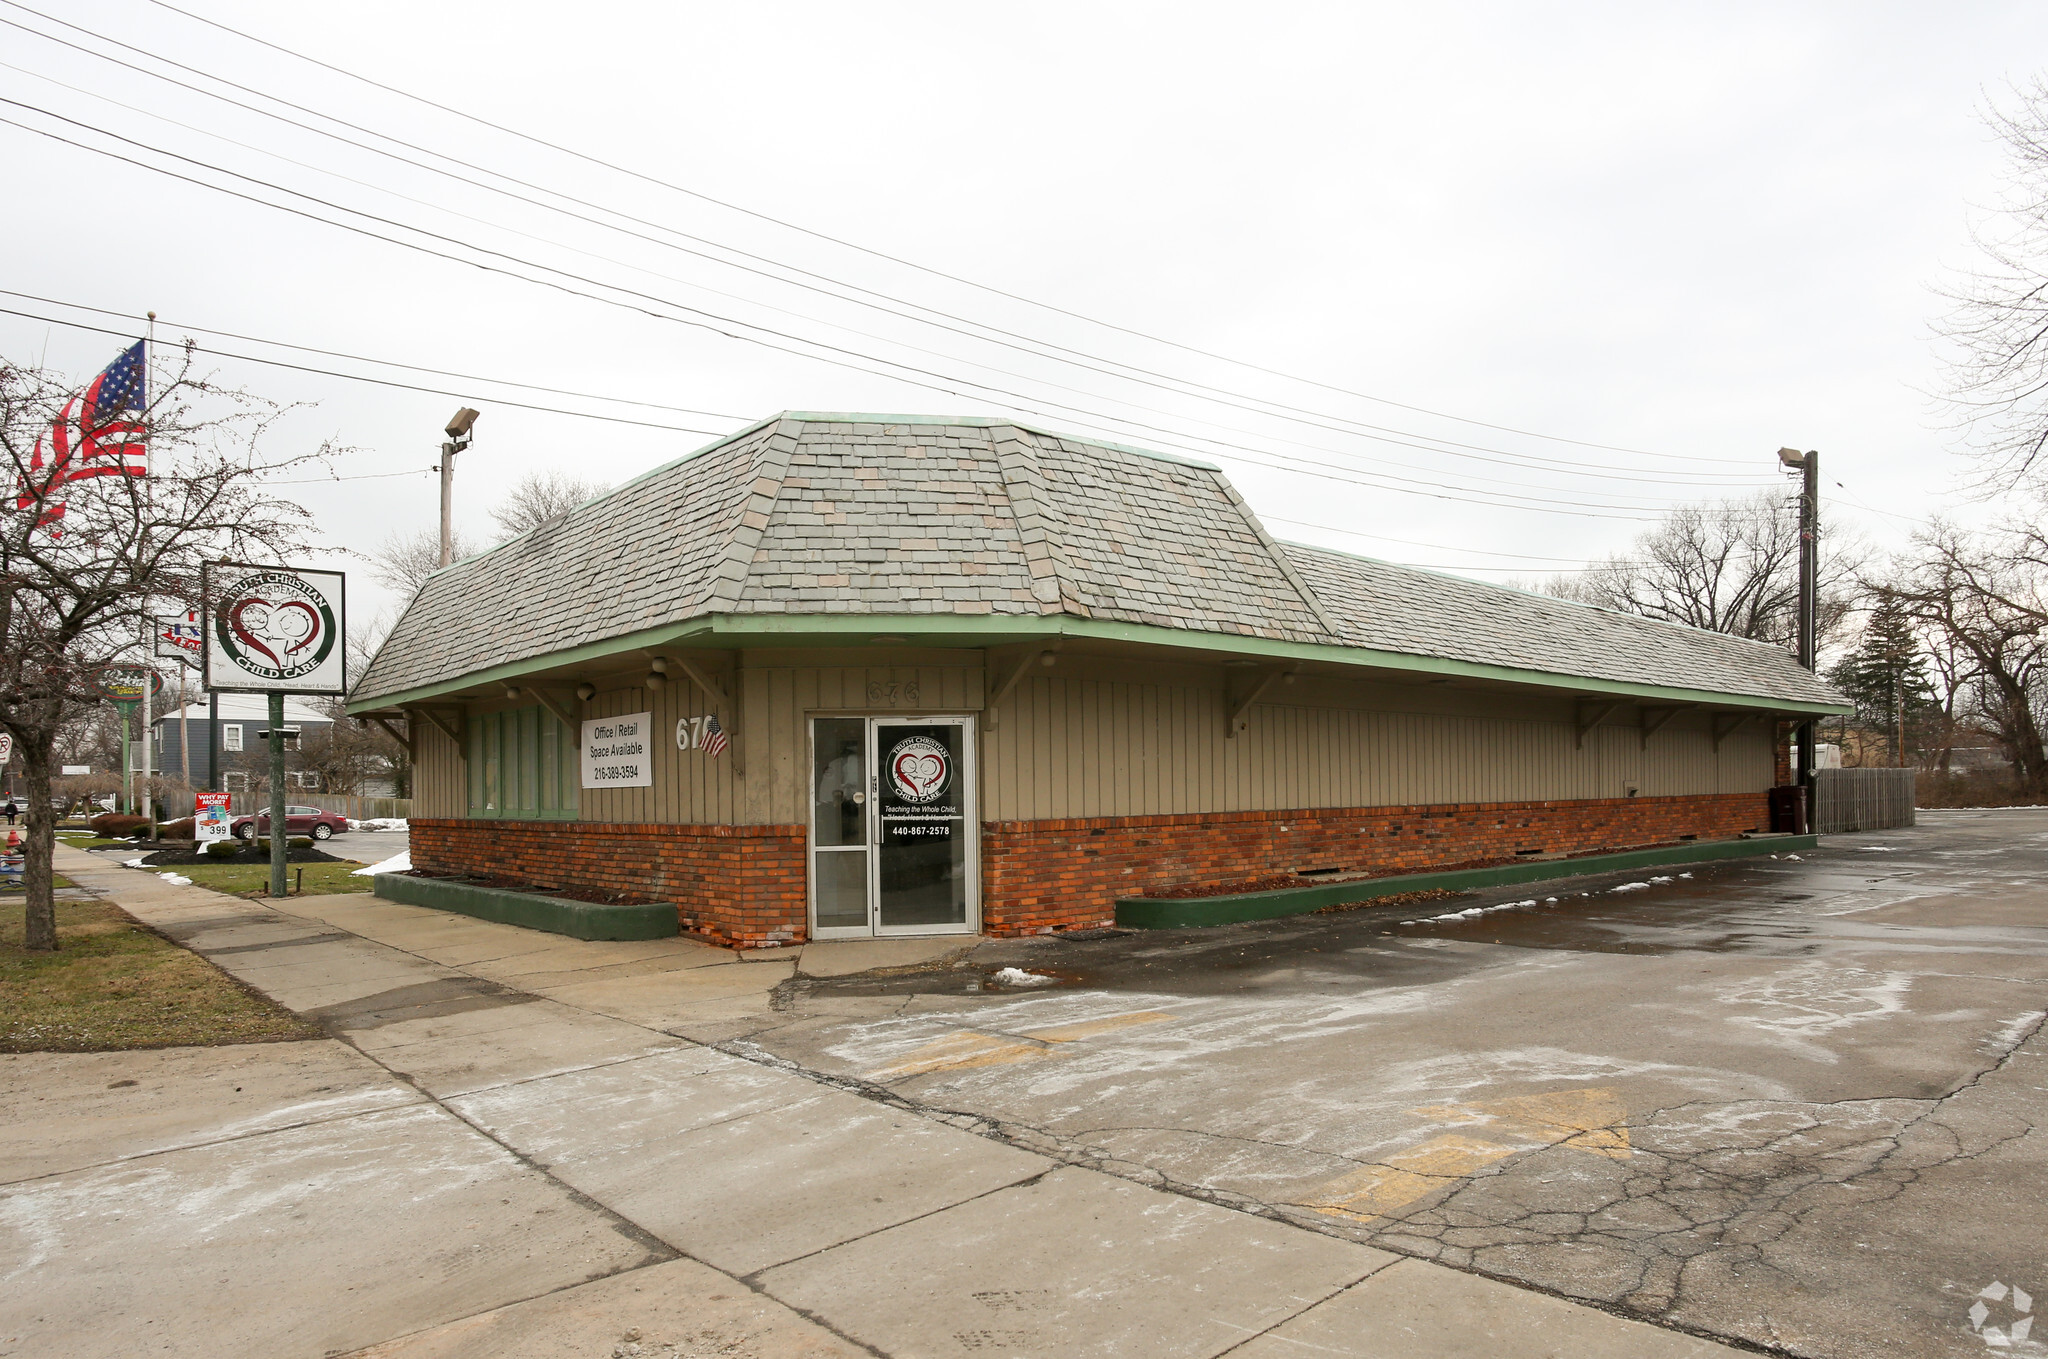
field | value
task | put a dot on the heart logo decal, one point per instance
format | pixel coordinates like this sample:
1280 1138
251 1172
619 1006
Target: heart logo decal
919 769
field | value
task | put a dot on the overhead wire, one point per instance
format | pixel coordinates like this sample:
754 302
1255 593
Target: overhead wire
714 323
1436 444
882 255
1201 391
1653 478
381 382
391 363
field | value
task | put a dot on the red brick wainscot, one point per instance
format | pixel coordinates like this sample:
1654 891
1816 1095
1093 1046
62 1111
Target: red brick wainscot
1067 874
742 886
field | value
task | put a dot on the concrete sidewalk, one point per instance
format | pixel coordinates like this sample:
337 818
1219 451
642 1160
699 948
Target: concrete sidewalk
518 1144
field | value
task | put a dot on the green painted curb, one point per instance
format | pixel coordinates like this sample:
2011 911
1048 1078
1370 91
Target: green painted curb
1179 913
577 919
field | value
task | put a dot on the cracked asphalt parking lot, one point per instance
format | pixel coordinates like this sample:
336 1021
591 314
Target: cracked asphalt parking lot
1789 1102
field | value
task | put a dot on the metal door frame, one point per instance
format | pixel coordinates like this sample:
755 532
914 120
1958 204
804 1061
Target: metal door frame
872 846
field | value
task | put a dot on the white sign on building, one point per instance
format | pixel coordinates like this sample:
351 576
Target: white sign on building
275 629
617 752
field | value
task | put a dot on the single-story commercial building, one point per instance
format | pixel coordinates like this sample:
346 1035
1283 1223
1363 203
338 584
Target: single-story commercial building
849 675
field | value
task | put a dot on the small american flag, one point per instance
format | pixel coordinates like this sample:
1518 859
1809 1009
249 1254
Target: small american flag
714 737
91 438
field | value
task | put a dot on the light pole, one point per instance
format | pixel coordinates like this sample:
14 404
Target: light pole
459 437
1808 463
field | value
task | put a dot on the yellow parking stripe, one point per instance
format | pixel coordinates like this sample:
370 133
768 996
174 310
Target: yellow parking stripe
1376 1190
1089 1028
959 1051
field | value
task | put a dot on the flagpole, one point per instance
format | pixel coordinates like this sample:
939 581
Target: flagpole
148 745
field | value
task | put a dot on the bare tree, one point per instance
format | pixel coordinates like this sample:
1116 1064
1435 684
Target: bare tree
1726 566
1997 328
540 497
403 561
1988 595
71 603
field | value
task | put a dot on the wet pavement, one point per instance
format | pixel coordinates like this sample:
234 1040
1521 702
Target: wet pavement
1785 1102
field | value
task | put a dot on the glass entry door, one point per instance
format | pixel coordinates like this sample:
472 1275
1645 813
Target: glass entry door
893 843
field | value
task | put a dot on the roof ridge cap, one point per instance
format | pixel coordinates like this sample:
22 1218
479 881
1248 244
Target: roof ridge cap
729 570
1045 550
1283 561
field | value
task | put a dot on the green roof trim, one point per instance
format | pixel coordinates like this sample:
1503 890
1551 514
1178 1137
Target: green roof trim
976 630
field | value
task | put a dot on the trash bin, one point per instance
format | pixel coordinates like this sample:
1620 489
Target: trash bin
1788 809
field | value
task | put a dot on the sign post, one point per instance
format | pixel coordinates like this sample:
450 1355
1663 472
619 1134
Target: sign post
129 686
275 630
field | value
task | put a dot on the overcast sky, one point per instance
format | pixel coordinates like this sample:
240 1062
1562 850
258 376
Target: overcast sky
1694 233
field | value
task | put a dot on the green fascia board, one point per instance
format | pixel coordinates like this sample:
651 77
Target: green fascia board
771 629
1179 913
530 910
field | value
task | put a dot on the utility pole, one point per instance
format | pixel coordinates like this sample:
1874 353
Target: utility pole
459 437
1808 464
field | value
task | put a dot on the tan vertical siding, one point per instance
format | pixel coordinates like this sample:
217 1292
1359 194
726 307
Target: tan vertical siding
1076 745
440 787
1095 737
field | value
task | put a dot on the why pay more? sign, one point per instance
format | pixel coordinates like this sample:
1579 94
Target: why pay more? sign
618 752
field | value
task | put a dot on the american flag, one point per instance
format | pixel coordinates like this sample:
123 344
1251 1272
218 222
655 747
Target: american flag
714 737
93 437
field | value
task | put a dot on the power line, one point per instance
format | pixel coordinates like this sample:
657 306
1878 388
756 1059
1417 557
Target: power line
1436 445
882 255
393 363
1015 401
1651 478
358 377
101 330
1409 542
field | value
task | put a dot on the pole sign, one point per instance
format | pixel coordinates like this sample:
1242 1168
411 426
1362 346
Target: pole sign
181 635
274 630
129 683
211 819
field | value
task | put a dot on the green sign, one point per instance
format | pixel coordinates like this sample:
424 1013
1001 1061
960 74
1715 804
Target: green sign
129 683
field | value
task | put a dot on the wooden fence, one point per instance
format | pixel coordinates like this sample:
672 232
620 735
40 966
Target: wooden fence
354 808
1862 799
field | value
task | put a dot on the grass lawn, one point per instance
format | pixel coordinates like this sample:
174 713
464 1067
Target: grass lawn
113 984
14 887
242 879
87 840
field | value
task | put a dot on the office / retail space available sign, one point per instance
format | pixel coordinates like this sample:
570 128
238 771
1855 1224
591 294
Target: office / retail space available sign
275 630
617 752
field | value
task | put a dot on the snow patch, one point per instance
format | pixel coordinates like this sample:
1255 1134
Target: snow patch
379 823
400 862
135 862
1631 887
176 879
1017 976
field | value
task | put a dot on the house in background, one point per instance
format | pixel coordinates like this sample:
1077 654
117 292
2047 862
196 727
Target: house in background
244 761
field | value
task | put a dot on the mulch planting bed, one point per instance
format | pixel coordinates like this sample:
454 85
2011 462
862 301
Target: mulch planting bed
1273 882
172 855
